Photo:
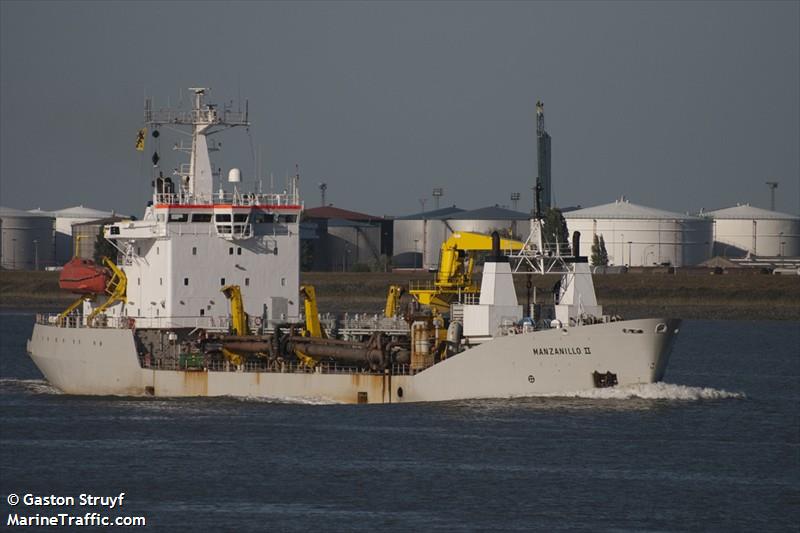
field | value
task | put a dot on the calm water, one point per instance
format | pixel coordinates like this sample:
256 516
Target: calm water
716 448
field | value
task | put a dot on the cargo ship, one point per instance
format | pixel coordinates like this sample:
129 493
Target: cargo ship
203 299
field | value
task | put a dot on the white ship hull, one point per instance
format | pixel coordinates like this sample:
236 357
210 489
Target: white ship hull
104 361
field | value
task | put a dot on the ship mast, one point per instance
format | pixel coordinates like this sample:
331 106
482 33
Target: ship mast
197 178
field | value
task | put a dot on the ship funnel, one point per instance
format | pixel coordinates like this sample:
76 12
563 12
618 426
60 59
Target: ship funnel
497 256
234 176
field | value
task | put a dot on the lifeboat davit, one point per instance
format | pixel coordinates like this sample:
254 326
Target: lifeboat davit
83 276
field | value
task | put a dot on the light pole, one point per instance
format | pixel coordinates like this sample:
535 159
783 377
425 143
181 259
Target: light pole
438 192
772 186
646 253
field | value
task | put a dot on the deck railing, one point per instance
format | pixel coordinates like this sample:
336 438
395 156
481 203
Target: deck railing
285 367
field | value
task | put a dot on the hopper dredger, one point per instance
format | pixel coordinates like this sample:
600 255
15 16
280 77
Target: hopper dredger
203 299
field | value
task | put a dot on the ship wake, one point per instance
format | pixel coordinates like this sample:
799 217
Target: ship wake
33 386
298 400
653 391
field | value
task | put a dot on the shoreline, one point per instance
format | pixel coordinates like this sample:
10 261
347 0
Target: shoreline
689 295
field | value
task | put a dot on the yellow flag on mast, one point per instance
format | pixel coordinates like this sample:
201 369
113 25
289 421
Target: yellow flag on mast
140 139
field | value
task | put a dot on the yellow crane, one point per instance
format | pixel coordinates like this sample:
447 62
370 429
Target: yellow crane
116 290
238 316
456 262
313 326
238 320
393 301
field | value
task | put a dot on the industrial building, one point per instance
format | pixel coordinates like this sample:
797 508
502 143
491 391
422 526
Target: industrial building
338 239
65 219
419 237
744 229
636 235
85 234
27 240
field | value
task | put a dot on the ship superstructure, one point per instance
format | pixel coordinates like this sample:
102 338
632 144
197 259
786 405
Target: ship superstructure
193 240
203 299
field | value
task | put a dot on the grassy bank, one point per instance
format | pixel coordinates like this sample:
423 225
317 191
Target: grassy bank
686 295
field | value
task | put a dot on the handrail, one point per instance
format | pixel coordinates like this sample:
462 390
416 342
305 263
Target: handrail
227 198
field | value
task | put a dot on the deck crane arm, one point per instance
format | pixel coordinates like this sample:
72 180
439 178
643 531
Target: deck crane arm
238 316
313 326
116 290
238 321
393 301
456 262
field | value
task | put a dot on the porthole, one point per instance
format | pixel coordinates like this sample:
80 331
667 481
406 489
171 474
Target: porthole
399 392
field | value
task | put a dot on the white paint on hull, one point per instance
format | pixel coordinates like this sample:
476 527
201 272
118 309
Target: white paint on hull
104 362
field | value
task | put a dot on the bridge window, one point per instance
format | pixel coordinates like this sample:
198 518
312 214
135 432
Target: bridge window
201 217
179 217
240 218
222 218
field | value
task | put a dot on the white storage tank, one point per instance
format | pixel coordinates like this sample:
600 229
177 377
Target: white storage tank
744 229
65 218
27 240
636 235
418 237
510 224
352 242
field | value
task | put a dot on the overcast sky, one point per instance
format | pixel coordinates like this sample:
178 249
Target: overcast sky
677 105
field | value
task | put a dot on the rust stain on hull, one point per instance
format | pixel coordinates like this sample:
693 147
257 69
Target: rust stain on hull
377 388
195 383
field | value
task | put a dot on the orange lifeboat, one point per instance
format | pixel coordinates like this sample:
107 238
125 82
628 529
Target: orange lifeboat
83 276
